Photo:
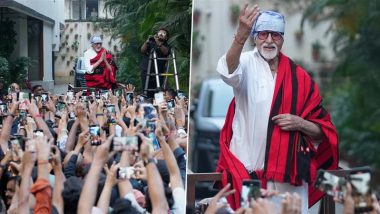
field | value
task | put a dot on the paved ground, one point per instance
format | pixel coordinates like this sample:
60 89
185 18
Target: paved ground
60 88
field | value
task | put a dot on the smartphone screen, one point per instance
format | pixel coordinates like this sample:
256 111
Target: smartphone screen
69 96
44 98
360 180
250 190
159 97
180 94
104 94
129 98
3 109
38 133
171 104
60 106
94 131
111 110
154 142
331 184
118 92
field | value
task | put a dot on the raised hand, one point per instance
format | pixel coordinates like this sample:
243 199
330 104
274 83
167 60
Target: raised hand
247 18
214 205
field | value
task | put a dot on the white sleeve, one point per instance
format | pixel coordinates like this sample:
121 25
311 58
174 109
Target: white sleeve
87 63
179 206
234 79
130 196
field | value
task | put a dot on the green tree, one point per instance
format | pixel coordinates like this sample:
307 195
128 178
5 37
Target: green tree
356 81
135 20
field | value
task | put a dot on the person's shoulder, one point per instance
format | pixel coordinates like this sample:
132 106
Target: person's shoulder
88 51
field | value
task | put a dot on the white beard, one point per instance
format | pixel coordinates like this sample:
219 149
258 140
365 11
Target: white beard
268 55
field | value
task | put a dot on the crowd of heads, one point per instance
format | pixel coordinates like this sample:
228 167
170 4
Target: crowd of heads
103 151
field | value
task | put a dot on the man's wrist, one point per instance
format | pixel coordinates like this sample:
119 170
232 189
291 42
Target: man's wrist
301 124
239 40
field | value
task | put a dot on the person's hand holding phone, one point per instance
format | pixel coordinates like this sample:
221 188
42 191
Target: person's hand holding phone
141 172
291 204
102 154
43 148
214 205
111 173
13 107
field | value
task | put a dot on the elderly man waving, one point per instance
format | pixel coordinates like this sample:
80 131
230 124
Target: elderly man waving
100 66
276 129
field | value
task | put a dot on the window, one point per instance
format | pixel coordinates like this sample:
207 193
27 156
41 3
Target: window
78 11
92 9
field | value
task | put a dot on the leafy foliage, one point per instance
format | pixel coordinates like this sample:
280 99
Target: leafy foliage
356 81
135 20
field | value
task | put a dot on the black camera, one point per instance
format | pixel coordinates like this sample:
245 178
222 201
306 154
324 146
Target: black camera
151 39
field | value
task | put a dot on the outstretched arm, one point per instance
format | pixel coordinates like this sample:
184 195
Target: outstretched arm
246 20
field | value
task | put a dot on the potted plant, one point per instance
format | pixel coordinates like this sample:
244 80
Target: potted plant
67 36
76 36
316 50
75 45
234 13
88 35
298 34
196 16
68 62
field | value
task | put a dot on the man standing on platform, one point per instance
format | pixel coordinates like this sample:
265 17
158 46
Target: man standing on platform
100 66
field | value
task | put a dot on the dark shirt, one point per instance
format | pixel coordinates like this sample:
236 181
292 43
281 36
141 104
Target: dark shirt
160 63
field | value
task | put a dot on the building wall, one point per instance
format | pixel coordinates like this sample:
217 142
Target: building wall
52 9
217 32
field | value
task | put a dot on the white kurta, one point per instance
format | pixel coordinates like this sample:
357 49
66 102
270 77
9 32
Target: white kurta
88 55
253 85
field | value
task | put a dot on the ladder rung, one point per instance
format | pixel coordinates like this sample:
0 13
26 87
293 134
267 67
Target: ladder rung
161 74
152 89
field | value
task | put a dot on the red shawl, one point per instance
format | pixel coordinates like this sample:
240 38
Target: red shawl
289 156
102 77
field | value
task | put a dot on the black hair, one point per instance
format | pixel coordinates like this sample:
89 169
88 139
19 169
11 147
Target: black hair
35 87
71 193
171 92
167 32
123 205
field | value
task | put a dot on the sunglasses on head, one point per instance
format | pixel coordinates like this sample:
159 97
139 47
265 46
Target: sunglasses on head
263 35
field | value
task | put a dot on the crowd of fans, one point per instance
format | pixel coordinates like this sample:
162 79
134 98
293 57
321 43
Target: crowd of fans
92 151
272 202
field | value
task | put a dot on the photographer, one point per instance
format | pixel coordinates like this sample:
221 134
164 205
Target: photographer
157 42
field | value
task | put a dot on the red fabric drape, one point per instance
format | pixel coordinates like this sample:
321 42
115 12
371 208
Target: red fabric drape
290 157
105 79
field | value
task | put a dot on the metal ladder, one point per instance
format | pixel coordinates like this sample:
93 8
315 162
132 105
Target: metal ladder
153 56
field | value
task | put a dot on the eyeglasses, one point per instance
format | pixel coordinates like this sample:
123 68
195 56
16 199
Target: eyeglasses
263 35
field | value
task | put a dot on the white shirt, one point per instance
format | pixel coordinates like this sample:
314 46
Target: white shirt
88 55
179 198
253 85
